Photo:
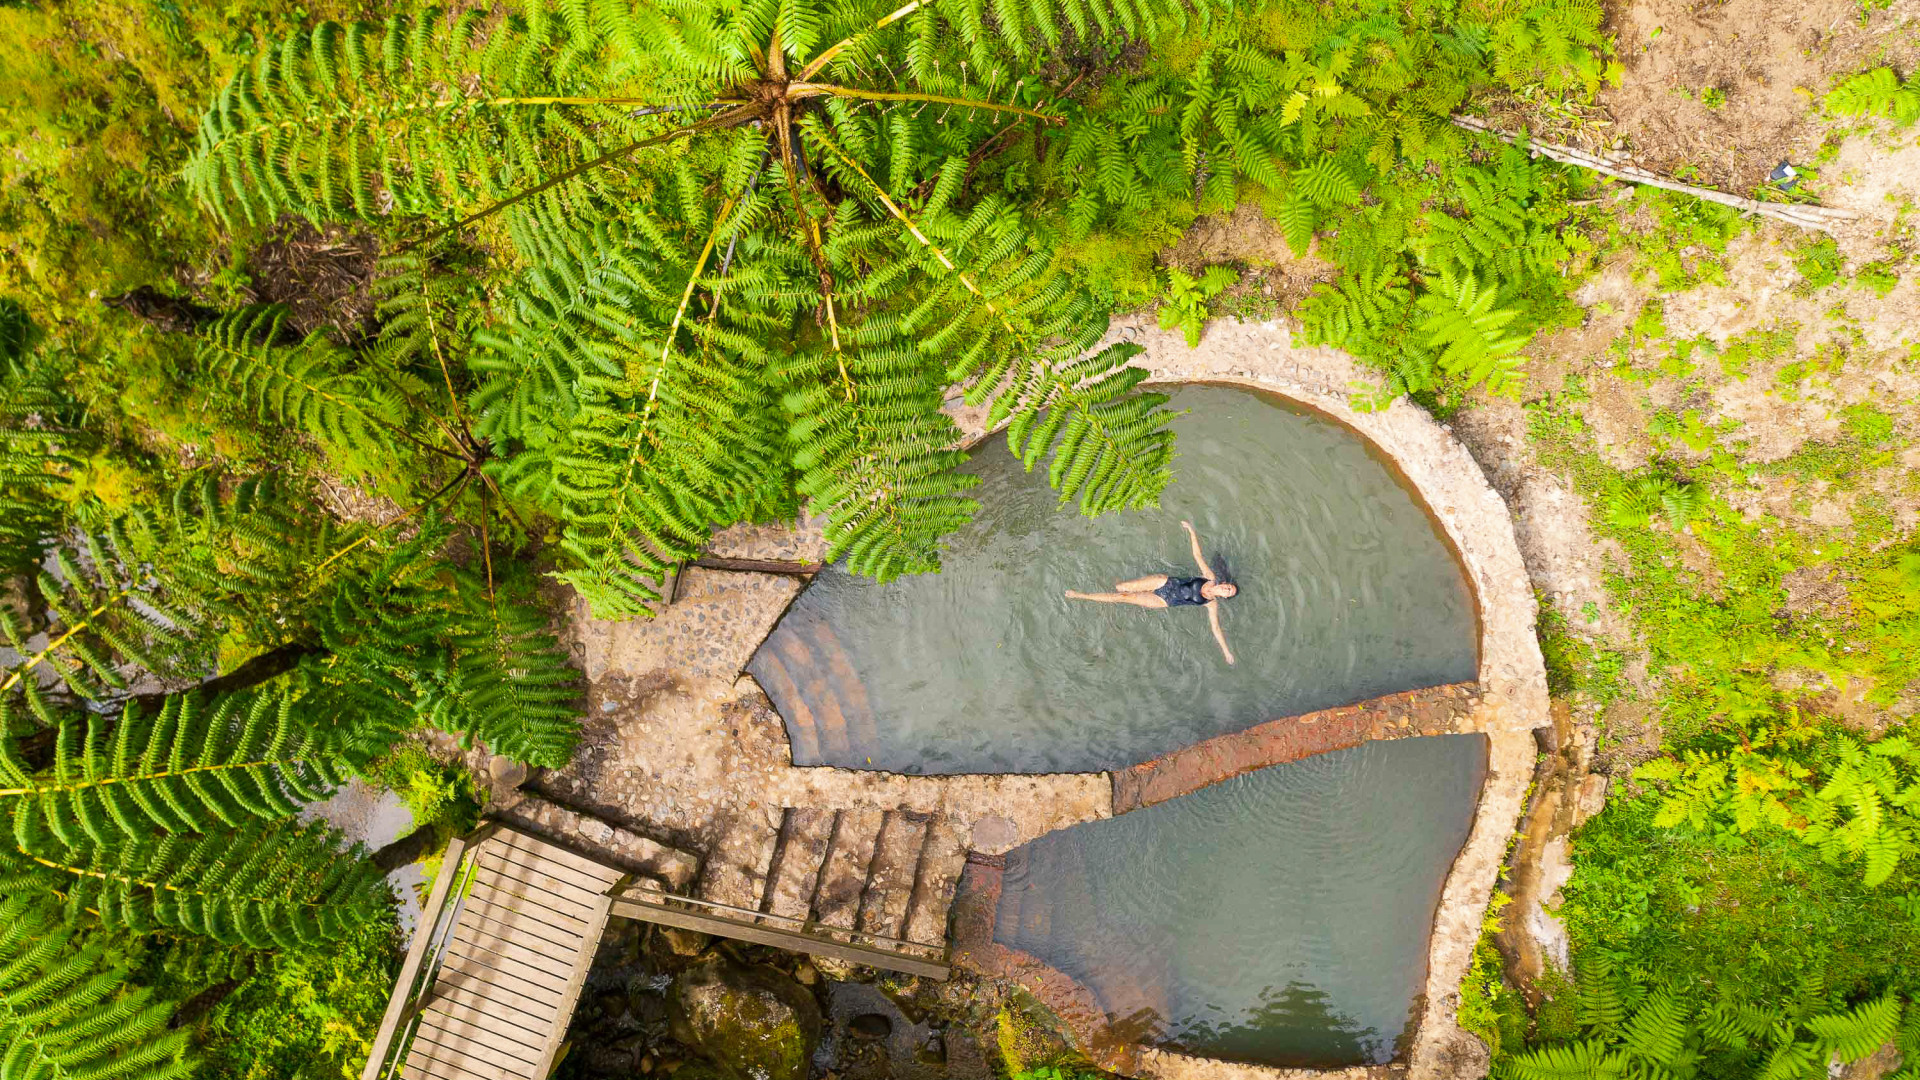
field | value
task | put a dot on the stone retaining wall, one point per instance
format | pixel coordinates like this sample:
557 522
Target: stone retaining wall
1440 710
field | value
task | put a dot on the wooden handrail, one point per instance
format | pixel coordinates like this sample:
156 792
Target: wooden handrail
657 909
806 927
431 914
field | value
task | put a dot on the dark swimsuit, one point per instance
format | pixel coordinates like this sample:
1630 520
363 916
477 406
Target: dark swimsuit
1183 592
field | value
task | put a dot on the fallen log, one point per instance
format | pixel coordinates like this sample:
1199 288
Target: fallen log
1803 215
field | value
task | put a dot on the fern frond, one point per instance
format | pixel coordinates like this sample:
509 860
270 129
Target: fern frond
263 885
1859 1032
68 1009
189 767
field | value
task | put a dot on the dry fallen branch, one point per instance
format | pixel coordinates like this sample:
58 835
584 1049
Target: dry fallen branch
1800 214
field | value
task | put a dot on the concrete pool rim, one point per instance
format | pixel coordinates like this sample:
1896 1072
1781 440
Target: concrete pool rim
1508 700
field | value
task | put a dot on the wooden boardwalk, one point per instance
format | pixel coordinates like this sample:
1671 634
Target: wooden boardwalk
490 983
513 921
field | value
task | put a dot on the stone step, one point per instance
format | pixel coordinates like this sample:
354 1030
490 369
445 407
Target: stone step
796 651
770 671
601 840
942 858
796 870
849 691
883 907
738 866
843 878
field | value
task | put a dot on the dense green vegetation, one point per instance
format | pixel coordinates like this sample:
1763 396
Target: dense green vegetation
649 270
1746 905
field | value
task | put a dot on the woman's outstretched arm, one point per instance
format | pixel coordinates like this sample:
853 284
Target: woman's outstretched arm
1198 559
1219 635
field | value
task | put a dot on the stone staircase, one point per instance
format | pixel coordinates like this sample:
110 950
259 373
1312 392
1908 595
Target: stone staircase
806 671
868 877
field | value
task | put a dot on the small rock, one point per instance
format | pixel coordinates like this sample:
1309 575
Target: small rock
837 970
684 942
805 974
596 831
871 1026
994 833
933 1053
505 772
646 1064
611 1005
752 1022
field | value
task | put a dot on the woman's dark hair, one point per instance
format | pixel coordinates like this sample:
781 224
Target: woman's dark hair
1222 573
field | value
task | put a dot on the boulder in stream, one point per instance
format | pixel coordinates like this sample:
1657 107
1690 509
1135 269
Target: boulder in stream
753 1022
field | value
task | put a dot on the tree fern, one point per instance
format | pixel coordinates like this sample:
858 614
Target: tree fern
193 765
303 386
517 691
106 613
67 1009
262 885
629 390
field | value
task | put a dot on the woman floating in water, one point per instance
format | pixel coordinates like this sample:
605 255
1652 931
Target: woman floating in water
1161 591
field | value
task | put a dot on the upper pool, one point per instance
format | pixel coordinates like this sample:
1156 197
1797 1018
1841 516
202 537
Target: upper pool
1346 592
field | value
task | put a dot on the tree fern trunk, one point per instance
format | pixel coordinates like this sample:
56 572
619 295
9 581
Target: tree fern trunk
37 748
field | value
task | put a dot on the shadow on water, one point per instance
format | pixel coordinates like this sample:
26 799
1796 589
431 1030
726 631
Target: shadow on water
1296 1026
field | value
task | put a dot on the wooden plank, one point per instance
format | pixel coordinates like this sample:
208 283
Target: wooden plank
539 886
495 893
757 566
516 959
498 974
421 1065
576 979
517 927
416 952
598 871
464 1019
474 999
468 1053
557 878
553 876
761 934
488 988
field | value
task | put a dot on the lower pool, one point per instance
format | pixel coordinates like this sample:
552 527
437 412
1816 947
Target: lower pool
1278 918
1346 592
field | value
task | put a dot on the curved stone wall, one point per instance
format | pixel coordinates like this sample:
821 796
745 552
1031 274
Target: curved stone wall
1511 699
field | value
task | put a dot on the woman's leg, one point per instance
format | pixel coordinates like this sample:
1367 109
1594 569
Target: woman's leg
1142 584
1137 599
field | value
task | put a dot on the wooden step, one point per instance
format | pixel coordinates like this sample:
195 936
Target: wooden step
606 842
843 877
796 651
796 872
737 867
770 671
883 908
942 857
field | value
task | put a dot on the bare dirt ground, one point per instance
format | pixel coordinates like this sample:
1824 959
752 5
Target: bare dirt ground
1768 59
